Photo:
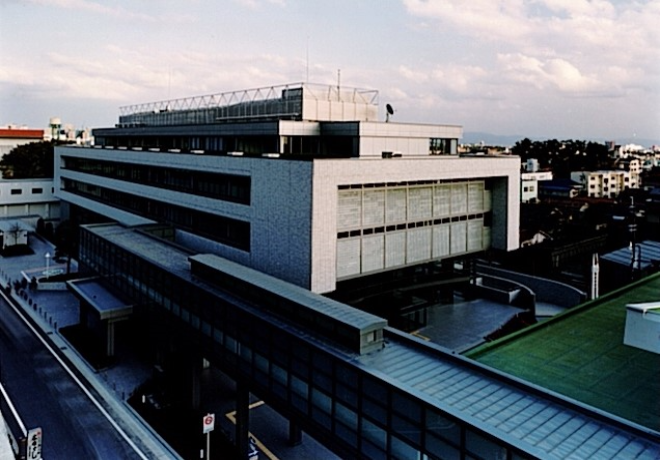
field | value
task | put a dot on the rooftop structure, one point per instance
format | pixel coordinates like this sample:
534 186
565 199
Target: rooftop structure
298 119
298 101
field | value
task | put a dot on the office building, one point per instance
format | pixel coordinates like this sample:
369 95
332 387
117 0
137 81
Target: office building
222 218
301 182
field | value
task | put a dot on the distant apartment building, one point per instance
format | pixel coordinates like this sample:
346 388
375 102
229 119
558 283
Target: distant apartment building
606 183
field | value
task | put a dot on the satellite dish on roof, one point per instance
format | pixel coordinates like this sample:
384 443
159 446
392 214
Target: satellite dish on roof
390 111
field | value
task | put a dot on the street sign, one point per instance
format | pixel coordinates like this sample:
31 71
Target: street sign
34 439
208 423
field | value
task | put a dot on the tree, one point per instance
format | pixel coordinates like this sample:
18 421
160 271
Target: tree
29 161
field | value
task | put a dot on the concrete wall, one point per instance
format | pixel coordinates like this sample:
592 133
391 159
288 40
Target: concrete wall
24 197
293 210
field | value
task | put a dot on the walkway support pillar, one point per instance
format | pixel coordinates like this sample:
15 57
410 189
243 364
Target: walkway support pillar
242 419
295 433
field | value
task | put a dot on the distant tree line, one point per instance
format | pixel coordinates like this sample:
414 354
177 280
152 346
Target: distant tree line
565 156
30 161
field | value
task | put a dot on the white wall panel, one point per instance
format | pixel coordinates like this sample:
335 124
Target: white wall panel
349 209
458 198
418 244
475 197
373 208
396 206
475 234
395 249
441 201
458 237
441 245
420 202
348 257
373 253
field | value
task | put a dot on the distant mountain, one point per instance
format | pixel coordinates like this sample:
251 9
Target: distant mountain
490 139
474 137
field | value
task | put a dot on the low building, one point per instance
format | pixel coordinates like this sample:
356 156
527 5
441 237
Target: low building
28 198
13 136
529 186
559 188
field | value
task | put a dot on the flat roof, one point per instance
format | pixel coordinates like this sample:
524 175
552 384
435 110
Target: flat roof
581 354
20 133
321 306
168 256
649 252
106 302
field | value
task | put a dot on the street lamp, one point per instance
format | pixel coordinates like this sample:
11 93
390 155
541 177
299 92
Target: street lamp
47 264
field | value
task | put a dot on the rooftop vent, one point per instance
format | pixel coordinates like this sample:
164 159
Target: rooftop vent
643 326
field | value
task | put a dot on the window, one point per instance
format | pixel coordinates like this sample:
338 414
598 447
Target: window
37 191
16 191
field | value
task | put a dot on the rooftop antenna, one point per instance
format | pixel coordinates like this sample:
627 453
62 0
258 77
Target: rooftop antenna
307 61
390 112
338 83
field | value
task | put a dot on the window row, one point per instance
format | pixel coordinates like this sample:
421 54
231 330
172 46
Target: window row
225 230
33 191
226 187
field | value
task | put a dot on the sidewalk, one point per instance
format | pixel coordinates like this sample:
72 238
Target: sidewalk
52 310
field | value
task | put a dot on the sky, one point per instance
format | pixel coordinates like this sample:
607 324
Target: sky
564 69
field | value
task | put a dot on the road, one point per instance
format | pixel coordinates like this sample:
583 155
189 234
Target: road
45 395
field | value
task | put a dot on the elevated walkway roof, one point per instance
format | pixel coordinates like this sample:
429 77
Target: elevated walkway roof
538 421
509 409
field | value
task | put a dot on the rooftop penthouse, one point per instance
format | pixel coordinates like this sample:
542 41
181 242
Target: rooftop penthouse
298 101
305 120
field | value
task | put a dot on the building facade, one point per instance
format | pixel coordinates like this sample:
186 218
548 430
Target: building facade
529 185
361 196
606 183
28 197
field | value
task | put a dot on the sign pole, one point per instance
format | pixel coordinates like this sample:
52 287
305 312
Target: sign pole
208 424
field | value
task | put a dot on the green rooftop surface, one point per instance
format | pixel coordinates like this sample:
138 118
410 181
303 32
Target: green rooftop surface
580 354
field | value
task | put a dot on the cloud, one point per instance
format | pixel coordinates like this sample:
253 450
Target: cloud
93 7
551 73
134 75
488 19
256 4
576 47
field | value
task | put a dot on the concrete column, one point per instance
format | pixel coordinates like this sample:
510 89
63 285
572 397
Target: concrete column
295 433
195 384
110 339
242 418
